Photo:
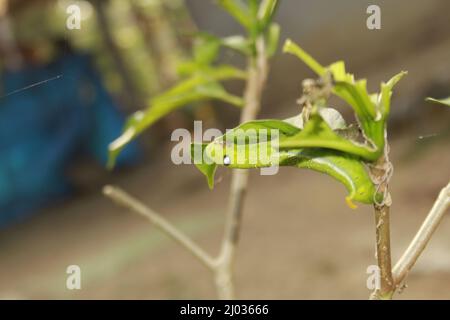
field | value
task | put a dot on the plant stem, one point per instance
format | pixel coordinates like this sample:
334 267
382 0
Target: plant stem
124 199
383 251
380 173
257 76
222 266
423 236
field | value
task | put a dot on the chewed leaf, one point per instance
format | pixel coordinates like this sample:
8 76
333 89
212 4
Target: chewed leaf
249 146
318 134
333 118
371 109
445 102
296 121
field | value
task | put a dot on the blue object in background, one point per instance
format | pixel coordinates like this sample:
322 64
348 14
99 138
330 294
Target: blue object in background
44 126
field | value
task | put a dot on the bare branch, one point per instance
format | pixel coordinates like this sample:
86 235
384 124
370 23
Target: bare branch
423 236
124 199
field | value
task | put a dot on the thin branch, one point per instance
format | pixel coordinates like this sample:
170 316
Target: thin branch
380 173
124 199
423 236
383 253
257 76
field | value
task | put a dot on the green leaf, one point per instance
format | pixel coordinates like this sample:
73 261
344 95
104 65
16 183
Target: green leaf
331 116
353 92
206 49
242 146
187 68
142 120
224 72
318 134
292 48
267 11
238 43
445 102
215 90
212 43
273 37
371 110
386 93
238 10
200 86
201 77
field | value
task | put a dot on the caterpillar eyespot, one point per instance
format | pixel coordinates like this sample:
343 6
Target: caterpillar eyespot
226 161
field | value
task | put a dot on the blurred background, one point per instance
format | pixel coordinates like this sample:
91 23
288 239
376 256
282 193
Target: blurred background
65 94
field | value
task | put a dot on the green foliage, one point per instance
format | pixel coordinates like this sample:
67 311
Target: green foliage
371 111
445 102
294 49
201 78
202 84
318 134
206 49
238 43
268 9
208 168
273 37
238 10
318 138
242 148
256 17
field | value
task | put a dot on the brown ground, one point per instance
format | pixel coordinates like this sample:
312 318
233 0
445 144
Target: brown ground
300 240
